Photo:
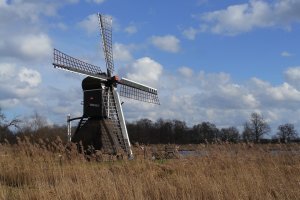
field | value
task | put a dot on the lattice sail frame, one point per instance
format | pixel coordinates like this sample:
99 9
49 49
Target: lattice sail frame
136 94
127 88
66 62
133 90
105 24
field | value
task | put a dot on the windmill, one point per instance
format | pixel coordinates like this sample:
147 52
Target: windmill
102 124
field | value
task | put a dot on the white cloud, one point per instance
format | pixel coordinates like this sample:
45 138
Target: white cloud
185 94
29 76
7 70
31 11
17 85
3 3
201 2
215 97
239 18
27 46
167 43
190 33
61 26
206 97
286 54
25 42
9 103
284 92
250 100
292 75
63 102
186 71
90 23
96 1
34 46
122 52
131 29
144 70
22 25
282 96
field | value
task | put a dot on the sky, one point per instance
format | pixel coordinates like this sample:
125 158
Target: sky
211 60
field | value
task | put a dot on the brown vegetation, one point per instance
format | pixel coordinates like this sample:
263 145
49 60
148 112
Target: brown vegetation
226 171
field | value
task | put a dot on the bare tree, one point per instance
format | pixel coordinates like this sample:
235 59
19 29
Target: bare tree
230 134
286 132
2 117
247 134
4 123
257 127
205 132
34 123
7 127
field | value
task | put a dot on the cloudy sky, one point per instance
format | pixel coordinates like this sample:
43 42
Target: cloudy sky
211 60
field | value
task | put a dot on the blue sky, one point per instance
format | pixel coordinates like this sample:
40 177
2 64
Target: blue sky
215 61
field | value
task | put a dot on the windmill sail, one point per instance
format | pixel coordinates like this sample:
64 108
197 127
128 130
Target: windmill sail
105 23
66 62
133 90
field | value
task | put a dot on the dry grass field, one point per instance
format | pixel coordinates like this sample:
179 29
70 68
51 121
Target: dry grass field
227 171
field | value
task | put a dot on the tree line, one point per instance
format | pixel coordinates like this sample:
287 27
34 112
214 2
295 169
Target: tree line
35 127
176 131
159 132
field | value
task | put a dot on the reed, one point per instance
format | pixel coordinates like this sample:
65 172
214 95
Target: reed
44 170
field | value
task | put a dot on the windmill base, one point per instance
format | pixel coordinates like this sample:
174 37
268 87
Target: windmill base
95 134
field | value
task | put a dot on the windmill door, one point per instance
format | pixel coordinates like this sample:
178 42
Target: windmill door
92 105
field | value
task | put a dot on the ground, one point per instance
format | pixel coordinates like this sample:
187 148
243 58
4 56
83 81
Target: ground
219 171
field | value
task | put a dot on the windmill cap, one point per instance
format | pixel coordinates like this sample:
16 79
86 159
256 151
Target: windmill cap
90 83
116 78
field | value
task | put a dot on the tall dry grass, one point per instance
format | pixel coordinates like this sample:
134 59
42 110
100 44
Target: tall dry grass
227 171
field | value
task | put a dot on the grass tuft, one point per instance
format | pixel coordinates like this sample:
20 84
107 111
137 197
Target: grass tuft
44 170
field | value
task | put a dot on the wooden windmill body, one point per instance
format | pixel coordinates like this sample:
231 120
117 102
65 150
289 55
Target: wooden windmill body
102 125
